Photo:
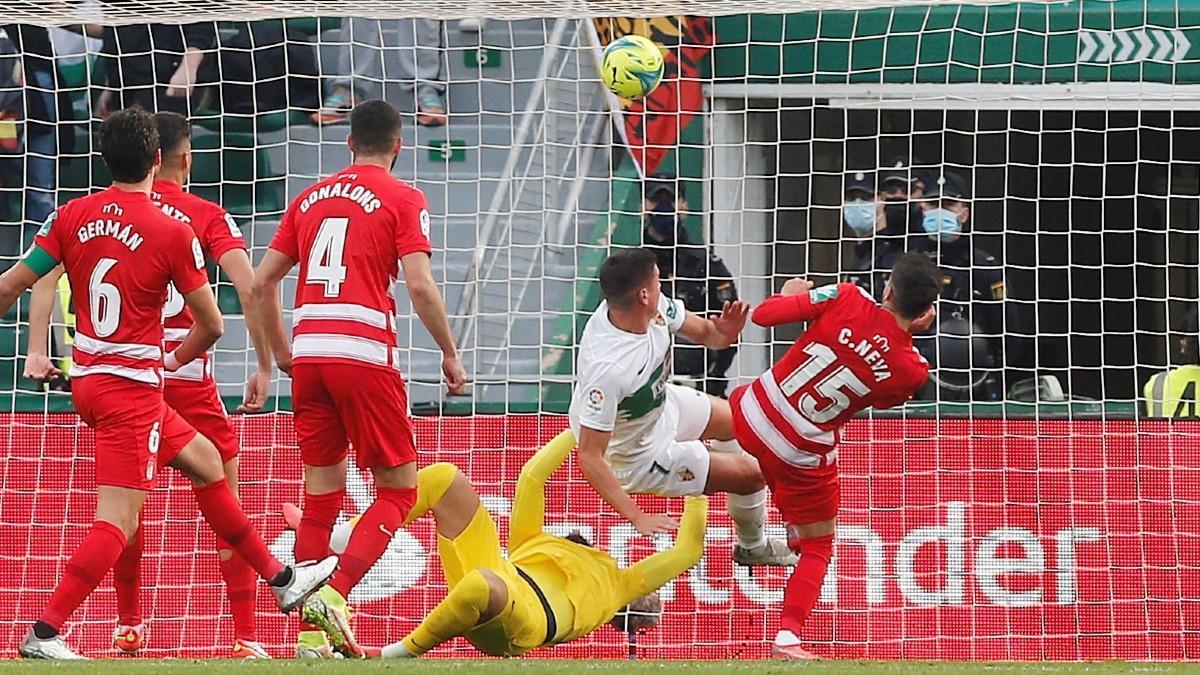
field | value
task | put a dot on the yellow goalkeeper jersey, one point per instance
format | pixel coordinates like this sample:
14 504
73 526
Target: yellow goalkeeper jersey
1172 394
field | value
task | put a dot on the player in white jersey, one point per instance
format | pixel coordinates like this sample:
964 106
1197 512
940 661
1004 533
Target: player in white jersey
640 434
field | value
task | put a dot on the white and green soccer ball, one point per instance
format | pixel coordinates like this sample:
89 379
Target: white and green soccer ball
632 66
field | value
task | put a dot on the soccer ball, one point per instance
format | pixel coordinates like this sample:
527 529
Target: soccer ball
632 66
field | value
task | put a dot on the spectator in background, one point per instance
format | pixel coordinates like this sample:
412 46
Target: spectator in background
155 67
361 70
1172 394
691 273
970 344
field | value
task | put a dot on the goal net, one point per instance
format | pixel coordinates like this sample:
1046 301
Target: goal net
1038 500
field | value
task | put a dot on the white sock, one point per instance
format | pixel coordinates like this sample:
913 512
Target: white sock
749 513
395 650
786 638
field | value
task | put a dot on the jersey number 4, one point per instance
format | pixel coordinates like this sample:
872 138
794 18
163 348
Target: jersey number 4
835 386
325 259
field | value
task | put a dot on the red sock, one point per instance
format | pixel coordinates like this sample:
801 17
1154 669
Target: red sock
804 587
127 574
89 563
316 525
225 516
241 585
371 537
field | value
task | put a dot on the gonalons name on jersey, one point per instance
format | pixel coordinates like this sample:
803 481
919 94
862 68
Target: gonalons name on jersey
106 227
355 193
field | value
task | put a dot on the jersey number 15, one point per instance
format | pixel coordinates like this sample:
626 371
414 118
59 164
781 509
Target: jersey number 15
835 386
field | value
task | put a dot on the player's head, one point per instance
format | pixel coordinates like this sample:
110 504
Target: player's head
629 280
946 206
375 130
129 145
175 141
639 615
1189 338
912 289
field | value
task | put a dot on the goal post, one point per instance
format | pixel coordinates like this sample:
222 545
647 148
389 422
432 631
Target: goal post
1028 505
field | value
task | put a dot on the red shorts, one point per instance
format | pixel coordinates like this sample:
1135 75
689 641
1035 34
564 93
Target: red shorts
338 405
199 404
133 425
802 496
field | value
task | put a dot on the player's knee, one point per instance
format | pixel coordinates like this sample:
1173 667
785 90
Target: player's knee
435 480
747 475
485 591
200 461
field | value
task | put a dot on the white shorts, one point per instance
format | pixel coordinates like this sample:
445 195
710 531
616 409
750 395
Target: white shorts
678 468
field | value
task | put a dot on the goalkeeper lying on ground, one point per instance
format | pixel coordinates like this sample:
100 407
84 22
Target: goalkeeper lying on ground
550 590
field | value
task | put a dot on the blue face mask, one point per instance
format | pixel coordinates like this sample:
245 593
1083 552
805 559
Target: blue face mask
942 224
859 215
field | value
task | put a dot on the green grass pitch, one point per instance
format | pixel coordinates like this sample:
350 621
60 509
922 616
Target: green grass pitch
534 667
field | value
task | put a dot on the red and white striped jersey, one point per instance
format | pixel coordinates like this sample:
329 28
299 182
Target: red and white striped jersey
120 252
853 356
349 232
218 234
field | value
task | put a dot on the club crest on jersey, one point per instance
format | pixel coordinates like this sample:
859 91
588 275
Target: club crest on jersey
595 400
823 293
685 475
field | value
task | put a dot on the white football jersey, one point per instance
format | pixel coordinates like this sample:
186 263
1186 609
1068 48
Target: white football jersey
621 378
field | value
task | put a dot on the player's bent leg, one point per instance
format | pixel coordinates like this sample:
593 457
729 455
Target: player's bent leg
291 585
813 542
241 585
117 511
395 495
477 598
720 420
733 471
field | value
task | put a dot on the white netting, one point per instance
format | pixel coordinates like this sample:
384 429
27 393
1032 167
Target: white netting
1054 525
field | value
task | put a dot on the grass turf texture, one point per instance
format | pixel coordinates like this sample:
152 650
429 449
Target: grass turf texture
532 667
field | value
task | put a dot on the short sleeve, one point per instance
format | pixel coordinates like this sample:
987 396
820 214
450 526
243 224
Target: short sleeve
598 392
187 261
222 235
285 240
412 226
47 237
673 312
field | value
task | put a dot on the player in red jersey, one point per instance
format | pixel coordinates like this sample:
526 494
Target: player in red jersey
351 234
120 247
190 390
855 355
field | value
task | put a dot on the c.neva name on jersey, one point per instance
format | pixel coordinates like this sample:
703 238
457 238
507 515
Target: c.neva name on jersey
107 227
352 191
869 350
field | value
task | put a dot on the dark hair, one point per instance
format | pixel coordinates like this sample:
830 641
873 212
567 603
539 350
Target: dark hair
916 283
625 272
576 537
173 130
374 127
129 144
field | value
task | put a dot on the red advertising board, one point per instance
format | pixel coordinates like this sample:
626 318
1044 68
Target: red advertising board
959 539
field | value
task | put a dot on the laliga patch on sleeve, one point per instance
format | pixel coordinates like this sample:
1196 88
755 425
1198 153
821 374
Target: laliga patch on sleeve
823 293
595 400
49 223
233 226
425 222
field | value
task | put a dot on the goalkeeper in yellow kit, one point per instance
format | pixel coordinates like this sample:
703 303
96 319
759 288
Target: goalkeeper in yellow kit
550 590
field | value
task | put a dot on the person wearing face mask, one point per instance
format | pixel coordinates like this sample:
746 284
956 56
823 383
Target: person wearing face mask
863 213
973 297
900 189
691 273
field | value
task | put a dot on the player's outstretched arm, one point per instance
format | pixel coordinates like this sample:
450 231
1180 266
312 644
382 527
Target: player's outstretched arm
427 303
264 295
38 365
718 332
529 504
592 445
205 332
650 574
236 264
